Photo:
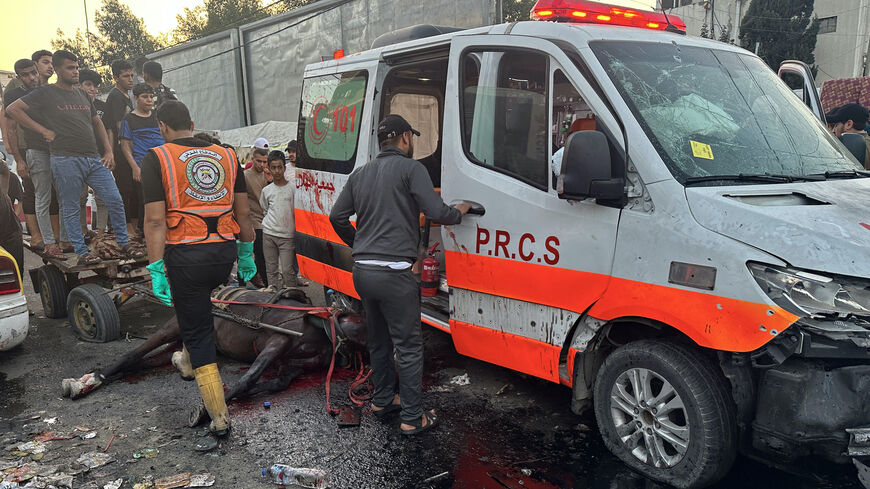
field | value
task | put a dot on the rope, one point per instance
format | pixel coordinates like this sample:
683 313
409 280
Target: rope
329 408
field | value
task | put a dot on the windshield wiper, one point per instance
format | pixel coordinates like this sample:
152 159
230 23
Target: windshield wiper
754 177
842 174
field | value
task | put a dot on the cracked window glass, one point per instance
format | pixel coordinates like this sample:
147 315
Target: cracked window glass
712 112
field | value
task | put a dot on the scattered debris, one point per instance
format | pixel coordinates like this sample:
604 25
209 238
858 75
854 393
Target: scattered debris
201 480
146 483
88 436
51 436
81 428
461 379
437 477
109 444
441 388
583 427
30 448
206 443
146 453
267 405
526 472
58 480
50 420
504 389
114 484
93 460
178 480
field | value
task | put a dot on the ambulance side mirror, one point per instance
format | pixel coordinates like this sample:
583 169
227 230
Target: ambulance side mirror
586 169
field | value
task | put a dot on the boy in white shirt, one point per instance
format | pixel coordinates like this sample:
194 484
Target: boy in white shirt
276 199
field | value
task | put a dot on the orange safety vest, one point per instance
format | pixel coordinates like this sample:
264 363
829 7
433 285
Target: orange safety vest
199 193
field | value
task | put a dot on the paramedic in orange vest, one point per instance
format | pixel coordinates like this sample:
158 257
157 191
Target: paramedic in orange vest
195 206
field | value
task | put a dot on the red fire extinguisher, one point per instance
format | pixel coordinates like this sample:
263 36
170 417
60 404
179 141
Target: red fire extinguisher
430 276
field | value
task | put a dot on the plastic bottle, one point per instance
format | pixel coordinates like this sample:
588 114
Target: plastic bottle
286 475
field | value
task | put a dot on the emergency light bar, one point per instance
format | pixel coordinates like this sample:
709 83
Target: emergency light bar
590 12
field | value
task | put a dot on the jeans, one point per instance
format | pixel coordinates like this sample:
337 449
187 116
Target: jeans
71 173
391 299
39 166
278 253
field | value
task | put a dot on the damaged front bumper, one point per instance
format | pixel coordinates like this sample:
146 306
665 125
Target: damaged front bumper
813 392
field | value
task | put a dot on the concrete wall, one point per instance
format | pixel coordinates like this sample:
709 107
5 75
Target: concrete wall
840 54
254 73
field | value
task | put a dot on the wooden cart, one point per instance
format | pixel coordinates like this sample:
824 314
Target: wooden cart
90 301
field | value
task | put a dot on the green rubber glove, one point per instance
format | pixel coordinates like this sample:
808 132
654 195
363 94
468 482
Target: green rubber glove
159 285
247 268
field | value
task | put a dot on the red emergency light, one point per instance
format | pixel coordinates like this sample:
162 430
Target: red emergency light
338 54
590 12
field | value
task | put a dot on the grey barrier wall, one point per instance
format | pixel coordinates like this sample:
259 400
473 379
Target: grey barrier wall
254 73
207 76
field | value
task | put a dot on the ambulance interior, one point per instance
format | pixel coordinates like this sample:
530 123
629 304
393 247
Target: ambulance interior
416 90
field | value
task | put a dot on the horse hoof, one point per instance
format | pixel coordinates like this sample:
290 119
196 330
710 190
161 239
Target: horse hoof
82 387
198 416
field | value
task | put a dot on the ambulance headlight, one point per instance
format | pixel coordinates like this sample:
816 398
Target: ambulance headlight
807 293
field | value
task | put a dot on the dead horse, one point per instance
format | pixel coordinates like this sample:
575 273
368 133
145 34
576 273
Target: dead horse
260 347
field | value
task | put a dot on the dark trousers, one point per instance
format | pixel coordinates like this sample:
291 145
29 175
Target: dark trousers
191 288
391 299
259 258
15 247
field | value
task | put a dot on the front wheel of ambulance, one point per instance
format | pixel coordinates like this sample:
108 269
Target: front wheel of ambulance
666 411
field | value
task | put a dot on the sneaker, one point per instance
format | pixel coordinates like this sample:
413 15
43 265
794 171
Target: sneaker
89 258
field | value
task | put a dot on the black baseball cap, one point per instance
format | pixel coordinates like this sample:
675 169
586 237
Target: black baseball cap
392 126
291 146
856 113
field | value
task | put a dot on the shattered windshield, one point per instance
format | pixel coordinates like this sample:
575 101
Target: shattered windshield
711 112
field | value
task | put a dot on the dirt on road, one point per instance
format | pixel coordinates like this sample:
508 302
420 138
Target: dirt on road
502 429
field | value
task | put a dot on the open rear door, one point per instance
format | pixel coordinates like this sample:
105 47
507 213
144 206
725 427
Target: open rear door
799 77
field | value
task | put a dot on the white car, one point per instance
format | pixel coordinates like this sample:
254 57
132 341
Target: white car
14 320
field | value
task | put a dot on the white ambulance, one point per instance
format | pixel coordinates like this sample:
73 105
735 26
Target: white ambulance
660 224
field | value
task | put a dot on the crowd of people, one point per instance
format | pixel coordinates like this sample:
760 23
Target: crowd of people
68 143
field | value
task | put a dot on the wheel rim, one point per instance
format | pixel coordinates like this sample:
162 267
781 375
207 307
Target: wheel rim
44 296
86 322
650 417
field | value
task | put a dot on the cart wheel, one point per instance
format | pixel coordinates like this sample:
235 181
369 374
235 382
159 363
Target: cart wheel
93 314
52 291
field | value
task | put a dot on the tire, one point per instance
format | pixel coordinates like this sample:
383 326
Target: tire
52 291
93 315
700 429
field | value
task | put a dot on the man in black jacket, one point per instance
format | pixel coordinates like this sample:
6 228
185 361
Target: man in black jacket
387 196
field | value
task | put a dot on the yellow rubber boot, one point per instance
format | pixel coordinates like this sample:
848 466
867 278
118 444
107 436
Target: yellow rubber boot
181 361
212 390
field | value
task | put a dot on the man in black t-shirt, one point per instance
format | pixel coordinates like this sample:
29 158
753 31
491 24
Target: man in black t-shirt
72 126
31 154
152 72
118 104
196 259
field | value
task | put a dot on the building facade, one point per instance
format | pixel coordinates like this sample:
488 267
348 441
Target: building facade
841 47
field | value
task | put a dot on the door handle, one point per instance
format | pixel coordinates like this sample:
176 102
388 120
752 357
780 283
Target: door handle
476 209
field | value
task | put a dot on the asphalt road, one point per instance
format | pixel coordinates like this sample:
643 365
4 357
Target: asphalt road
504 429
